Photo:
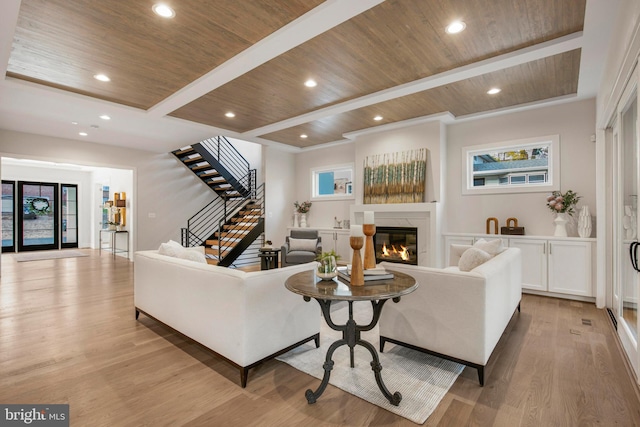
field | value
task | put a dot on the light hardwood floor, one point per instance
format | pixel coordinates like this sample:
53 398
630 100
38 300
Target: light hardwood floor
68 335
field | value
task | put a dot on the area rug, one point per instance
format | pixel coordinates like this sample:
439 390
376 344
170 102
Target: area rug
422 379
43 255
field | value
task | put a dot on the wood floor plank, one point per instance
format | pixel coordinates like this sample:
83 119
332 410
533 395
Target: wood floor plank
68 334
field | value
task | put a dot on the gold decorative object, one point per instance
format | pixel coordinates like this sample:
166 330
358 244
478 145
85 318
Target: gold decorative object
495 225
357 273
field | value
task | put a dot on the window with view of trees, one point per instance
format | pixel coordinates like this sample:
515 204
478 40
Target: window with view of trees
513 166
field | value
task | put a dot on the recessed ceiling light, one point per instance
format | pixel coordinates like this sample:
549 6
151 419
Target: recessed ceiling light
83 133
74 123
494 90
310 83
230 114
455 27
163 10
105 117
303 136
377 118
102 77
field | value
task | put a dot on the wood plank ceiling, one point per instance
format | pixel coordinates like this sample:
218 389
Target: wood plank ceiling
62 43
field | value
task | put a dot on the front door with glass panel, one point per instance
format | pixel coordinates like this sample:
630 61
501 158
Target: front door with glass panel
37 216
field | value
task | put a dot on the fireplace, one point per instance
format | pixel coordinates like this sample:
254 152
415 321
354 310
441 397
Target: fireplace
396 244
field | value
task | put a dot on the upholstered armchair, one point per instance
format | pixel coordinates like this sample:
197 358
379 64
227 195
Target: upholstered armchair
300 247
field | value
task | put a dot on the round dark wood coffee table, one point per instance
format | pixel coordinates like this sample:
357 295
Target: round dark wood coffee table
378 292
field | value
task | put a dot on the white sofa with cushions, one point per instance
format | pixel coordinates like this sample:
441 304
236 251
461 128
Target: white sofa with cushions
455 314
244 317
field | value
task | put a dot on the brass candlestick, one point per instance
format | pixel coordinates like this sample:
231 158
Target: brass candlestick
369 251
357 273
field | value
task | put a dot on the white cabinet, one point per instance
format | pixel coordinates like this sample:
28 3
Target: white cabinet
570 268
534 262
552 265
338 240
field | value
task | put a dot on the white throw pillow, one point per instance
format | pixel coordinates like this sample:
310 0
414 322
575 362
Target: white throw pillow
192 255
169 249
308 245
473 257
492 247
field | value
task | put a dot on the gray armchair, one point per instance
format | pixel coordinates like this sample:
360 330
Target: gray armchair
300 247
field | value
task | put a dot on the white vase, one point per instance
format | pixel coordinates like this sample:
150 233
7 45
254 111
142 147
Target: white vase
561 225
303 220
584 222
295 220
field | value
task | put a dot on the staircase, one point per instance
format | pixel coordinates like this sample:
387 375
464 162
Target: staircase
229 226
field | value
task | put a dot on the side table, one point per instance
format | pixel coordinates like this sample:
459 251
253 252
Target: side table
113 241
310 286
269 258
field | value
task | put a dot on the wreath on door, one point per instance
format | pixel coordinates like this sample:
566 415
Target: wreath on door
40 206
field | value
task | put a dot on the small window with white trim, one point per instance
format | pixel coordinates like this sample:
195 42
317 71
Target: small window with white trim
527 165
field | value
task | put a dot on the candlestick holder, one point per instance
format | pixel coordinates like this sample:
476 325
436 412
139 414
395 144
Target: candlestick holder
369 251
357 273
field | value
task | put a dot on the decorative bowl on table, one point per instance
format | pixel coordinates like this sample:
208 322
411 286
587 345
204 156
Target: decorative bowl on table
326 267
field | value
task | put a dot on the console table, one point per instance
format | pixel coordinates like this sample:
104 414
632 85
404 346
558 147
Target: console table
379 292
113 242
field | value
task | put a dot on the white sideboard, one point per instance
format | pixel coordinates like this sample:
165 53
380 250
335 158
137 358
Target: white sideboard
554 266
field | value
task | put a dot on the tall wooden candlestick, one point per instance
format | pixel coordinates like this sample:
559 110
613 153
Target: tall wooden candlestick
357 273
369 251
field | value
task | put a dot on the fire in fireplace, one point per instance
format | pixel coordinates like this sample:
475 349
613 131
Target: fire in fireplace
396 244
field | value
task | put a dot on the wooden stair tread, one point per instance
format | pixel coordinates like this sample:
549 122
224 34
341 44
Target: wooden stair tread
192 159
214 173
245 219
186 150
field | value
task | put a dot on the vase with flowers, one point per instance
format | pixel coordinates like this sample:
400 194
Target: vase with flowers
302 209
563 206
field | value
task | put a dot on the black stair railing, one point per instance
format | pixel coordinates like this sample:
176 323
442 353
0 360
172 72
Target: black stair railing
230 158
234 238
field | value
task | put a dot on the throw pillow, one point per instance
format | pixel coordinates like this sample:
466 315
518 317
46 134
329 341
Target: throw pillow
492 247
191 255
308 245
169 249
473 257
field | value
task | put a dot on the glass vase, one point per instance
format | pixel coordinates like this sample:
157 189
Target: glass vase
327 268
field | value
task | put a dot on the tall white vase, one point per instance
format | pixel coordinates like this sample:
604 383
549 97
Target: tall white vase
295 220
561 225
584 222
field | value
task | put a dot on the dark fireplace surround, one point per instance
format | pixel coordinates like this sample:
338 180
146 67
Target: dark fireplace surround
396 244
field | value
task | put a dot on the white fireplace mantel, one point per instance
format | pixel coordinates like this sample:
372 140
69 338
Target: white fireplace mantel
423 216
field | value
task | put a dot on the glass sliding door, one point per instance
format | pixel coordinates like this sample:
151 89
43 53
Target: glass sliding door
37 218
626 287
8 216
69 215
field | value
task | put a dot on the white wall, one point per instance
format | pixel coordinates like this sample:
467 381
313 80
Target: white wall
280 189
322 212
574 122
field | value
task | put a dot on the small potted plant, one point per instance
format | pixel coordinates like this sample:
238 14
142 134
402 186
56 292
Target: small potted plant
327 265
267 244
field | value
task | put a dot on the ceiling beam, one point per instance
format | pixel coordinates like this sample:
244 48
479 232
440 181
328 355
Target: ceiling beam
528 54
313 23
8 23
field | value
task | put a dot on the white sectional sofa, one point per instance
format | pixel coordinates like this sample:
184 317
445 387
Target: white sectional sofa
244 317
456 314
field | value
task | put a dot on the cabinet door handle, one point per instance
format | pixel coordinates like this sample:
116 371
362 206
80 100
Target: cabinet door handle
549 248
544 248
